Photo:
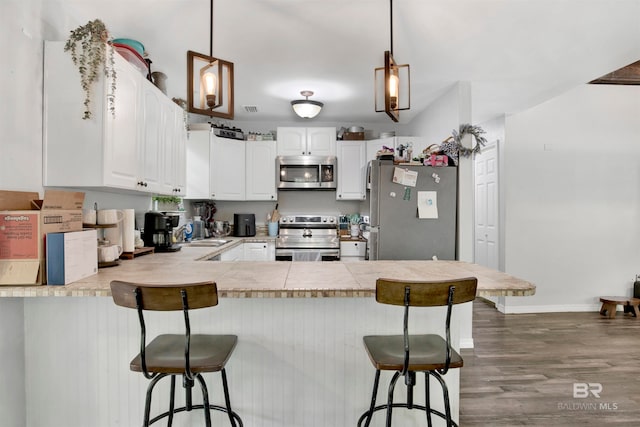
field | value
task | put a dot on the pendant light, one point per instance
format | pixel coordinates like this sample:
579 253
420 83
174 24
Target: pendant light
392 82
209 82
306 108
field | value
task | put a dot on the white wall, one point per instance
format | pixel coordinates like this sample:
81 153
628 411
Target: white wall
572 196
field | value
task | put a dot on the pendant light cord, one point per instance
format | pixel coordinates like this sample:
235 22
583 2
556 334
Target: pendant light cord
211 29
390 26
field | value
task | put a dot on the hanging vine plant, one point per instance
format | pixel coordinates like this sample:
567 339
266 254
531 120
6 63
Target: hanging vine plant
452 146
91 51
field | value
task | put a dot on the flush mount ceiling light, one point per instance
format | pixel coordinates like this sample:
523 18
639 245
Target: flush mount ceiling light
306 108
209 82
392 82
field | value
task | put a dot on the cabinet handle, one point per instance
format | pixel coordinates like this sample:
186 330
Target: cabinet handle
340 196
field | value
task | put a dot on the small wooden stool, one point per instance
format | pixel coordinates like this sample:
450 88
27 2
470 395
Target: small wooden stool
629 304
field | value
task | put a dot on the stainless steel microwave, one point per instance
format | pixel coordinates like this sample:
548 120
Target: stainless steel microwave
306 172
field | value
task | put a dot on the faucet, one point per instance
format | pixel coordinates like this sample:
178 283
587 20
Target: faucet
178 233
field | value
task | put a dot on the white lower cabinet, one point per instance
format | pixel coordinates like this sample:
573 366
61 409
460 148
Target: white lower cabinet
353 251
126 150
259 251
250 251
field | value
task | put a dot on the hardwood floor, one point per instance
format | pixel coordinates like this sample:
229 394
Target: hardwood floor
524 368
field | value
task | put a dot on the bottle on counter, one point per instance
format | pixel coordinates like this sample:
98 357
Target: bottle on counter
188 230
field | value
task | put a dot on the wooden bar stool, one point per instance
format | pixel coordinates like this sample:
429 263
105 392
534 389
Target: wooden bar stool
178 354
407 354
629 305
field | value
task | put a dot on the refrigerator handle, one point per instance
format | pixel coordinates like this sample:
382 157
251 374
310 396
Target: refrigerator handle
373 242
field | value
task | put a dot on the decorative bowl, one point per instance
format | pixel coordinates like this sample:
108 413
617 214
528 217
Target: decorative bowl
136 45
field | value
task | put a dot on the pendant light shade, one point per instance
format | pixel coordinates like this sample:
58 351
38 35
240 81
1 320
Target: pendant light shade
306 108
209 82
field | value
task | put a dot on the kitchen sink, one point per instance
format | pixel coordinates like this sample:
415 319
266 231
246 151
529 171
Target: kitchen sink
209 243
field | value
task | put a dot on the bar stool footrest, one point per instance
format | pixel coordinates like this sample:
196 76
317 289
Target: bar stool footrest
406 406
184 409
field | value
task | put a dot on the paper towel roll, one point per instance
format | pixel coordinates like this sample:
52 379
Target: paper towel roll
128 228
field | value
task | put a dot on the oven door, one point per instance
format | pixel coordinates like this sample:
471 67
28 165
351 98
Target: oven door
307 254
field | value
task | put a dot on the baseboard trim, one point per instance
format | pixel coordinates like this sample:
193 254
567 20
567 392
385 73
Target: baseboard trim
466 343
525 309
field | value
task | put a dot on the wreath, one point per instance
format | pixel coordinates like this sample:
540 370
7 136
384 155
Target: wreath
452 146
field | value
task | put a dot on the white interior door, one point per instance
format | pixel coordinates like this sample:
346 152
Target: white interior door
486 207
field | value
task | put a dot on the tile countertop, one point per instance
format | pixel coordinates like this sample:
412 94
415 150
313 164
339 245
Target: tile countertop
275 279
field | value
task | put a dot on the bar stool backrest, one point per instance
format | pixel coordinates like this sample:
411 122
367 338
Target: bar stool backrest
425 293
164 297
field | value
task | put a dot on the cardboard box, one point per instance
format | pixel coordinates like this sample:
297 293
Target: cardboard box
71 256
24 222
353 136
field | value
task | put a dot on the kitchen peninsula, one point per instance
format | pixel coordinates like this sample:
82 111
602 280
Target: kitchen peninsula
299 360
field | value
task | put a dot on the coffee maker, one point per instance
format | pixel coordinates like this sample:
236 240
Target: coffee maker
158 231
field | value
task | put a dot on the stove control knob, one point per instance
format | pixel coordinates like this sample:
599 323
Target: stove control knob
324 219
332 219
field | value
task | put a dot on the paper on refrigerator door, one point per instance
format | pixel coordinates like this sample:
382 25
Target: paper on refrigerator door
405 177
428 204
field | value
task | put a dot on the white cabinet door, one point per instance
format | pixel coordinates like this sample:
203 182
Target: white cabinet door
261 170
151 149
353 251
351 170
318 141
174 148
259 251
122 132
292 141
321 141
227 169
198 180
180 151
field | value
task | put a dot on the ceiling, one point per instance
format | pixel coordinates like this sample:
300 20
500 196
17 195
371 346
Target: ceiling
515 53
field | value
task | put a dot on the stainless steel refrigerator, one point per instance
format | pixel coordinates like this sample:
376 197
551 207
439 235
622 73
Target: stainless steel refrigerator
407 222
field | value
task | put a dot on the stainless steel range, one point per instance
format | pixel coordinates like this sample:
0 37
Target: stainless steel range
308 238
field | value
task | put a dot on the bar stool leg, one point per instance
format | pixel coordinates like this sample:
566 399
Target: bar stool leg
368 415
172 401
445 393
392 386
226 397
147 404
205 400
427 397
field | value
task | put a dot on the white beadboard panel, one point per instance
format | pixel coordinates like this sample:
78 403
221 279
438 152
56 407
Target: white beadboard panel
299 362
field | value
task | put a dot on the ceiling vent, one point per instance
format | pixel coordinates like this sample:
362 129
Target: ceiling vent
250 108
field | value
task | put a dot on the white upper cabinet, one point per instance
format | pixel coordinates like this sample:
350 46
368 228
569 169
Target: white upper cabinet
124 151
198 181
151 146
351 170
227 169
261 170
297 141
